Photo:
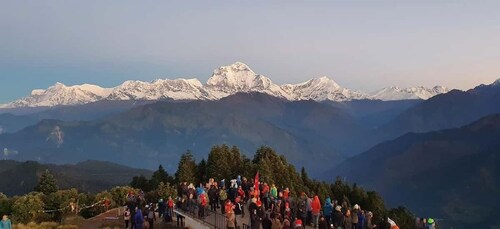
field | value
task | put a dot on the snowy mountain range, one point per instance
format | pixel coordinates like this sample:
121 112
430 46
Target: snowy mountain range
225 81
396 93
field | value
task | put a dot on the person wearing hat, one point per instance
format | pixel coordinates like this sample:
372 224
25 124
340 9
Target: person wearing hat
298 224
431 223
337 217
392 223
354 216
368 222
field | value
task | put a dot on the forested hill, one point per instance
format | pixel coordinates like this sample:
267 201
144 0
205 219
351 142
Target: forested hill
89 176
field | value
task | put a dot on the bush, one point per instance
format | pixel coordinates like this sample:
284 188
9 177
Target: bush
5 205
28 208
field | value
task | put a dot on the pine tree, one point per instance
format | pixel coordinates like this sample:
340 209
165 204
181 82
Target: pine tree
201 171
46 183
141 183
160 175
186 169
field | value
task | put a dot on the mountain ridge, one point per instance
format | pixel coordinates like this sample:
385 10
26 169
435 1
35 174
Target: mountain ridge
224 81
449 173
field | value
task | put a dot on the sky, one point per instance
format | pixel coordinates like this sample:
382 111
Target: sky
363 45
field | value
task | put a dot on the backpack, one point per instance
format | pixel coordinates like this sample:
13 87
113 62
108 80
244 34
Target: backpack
170 203
151 215
202 200
222 195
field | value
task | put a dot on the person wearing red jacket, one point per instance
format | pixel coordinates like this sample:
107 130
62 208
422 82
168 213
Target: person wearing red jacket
202 204
316 210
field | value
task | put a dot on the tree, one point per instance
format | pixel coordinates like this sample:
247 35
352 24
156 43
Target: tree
274 168
304 176
140 182
46 183
165 190
186 169
402 216
159 176
119 194
59 200
201 171
5 205
28 208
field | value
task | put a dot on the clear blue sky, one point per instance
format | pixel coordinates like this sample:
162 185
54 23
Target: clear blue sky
363 45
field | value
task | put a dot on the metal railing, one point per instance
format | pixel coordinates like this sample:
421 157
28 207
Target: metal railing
211 218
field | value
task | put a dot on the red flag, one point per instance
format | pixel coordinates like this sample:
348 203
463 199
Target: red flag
256 182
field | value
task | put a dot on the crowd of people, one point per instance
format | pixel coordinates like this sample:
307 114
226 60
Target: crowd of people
139 214
268 207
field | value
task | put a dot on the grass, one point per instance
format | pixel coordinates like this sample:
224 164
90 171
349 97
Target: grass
44 225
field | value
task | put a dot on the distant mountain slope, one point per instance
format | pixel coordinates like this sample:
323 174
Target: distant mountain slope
451 174
162 131
224 81
374 113
449 110
89 176
10 123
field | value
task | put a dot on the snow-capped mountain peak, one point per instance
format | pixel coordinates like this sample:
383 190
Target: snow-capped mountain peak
60 94
224 81
238 77
177 89
320 89
497 82
397 93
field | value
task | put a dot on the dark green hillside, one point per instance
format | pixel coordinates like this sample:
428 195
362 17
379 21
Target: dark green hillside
452 174
88 176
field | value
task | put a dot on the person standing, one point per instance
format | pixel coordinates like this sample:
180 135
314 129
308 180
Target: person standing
212 196
222 198
239 211
126 217
180 205
327 211
230 218
323 224
315 210
255 220
5 223
138 218
368 222
337 217
276 222
151 217
348 220
202 204
355 217
169 212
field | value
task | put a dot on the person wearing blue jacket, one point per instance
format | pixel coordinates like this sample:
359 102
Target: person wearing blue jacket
327 211
361 219
138 218
5 223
